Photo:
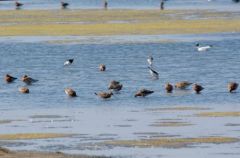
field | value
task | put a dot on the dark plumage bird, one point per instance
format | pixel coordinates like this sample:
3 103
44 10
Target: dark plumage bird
168 88
28 80
105 4
9 79
104 95
153 73
64 5
197 88
70 92
102 67
182 84
18 4
143 93
23 90
115 85
232 86
68 62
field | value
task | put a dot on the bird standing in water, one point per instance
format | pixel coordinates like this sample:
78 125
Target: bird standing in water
143 93
162 4
115 85
153 73
104 95
70 92
64 5
28 80
168 88
232 86
9 79
68 62
197 88
203 48
18 5
105 4
150 61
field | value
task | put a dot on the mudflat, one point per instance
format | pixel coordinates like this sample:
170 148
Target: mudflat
116 22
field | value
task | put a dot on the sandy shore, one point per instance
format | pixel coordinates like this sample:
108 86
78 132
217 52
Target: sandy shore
5 153
116 22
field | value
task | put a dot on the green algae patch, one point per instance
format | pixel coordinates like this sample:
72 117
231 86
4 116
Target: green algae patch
170 124
172 142
21 136
219 114
178 108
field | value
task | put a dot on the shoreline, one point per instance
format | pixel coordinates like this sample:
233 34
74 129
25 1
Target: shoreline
6 153
115 22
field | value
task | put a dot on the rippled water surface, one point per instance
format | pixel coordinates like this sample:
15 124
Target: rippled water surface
123 116
128 4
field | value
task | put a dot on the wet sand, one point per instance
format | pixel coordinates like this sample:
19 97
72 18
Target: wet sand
5 153
116 22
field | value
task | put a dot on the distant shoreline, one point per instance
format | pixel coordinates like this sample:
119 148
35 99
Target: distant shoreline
97 22
6 153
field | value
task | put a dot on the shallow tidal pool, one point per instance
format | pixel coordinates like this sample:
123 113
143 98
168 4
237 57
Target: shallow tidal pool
160 125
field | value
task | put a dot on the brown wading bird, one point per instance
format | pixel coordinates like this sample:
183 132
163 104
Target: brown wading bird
232 86
104 95
9 79
197 88
143 93
70 92
28 80
115 85
102 67
168 88
23 90
182 84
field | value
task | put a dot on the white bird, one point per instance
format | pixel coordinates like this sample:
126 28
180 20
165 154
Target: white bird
203 48
150 60
68 62
153 73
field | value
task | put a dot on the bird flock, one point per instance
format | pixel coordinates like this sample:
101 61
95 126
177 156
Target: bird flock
64 5
115 86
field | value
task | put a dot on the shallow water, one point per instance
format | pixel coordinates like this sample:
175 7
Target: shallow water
225 5
47 109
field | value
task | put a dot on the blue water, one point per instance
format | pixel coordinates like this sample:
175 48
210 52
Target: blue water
94 120
126 4
126 63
